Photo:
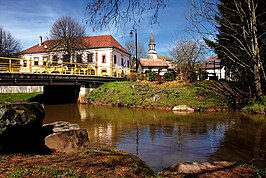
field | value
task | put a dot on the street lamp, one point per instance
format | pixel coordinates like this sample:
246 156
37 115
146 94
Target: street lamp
136 45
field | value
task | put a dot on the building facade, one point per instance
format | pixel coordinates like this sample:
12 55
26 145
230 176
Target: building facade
101 55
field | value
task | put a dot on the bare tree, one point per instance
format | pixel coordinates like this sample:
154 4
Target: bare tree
186 53
131 48
9 46
104 13
236 30
66 33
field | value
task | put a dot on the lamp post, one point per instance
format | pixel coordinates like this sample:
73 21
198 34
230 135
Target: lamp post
136 45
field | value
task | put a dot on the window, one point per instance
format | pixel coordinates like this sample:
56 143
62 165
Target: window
89 57
214 62
122 61
103 58
79 58
114 59
36 61
104 71
24 63
44 60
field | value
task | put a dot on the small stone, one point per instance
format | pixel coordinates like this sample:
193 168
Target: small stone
182 108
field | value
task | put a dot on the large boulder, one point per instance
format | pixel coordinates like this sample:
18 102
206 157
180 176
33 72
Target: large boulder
65 137
21 127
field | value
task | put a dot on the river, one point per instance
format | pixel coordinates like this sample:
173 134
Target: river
161 138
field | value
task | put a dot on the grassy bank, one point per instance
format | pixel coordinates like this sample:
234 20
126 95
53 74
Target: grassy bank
198 95
17 97
258 107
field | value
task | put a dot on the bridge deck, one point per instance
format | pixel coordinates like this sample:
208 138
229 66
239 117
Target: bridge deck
33 79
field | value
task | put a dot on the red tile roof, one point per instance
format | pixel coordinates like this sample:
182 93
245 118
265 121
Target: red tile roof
153 63
89 41
213 58
209 63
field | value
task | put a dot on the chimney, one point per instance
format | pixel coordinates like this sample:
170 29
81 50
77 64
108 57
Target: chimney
40 40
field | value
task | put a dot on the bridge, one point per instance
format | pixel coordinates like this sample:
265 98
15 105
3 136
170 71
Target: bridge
63 82
36 79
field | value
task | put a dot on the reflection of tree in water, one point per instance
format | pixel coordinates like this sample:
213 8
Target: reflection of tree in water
100 120
161 138
244 142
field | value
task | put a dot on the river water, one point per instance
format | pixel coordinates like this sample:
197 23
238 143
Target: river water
161 138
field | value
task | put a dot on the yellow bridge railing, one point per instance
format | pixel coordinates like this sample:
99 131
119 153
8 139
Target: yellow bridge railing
48 66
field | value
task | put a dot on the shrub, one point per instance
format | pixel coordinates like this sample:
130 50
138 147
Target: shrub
133 77
151 75
169 76
142 77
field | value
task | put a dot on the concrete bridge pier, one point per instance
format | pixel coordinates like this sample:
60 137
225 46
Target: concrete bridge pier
83 93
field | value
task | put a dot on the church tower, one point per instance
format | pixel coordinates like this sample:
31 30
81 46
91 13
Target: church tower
152 54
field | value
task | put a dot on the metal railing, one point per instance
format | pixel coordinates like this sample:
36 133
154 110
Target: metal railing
48 66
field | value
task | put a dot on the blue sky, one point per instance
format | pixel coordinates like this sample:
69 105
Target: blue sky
28 19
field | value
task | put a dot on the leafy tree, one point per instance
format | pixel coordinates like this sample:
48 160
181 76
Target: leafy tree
9 46
236 31
66 33
118 13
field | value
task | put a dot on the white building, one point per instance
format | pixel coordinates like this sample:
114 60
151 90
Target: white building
214 69
103 54
153 63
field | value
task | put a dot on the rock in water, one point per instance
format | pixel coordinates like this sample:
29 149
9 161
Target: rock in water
65 137
182 108
21 127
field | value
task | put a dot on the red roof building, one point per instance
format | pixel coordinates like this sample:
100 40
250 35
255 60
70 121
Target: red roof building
104 53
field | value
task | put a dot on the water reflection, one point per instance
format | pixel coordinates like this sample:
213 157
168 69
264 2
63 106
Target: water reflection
163 138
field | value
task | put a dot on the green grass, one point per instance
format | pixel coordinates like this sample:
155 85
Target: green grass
256 106
196 95
17 97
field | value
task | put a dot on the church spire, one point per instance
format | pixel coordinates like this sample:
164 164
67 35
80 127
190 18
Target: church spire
152 54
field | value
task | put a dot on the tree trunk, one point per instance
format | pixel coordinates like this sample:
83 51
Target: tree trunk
257 83
255 50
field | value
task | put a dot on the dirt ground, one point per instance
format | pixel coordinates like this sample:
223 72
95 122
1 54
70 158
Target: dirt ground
89 163
95 162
